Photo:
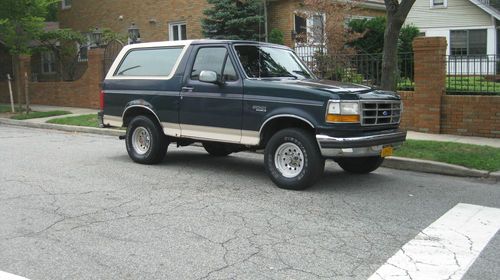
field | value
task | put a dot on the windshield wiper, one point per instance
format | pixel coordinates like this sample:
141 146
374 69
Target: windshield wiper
128 69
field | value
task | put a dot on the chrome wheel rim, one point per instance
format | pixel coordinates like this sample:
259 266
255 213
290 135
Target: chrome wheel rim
141 140
289 160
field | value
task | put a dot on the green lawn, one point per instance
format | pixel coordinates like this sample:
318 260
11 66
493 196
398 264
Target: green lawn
464 85
472 156
89 120
83 120
35 115
471 84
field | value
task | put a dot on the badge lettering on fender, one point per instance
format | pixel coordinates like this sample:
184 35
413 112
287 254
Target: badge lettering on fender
259 108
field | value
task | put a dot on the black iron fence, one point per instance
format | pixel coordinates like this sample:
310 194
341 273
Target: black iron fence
356 68
473 74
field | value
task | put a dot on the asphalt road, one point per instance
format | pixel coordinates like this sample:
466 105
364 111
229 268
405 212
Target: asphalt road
74 206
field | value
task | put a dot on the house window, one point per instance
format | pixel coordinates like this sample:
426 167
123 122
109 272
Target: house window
468 42
48 62
439 3
317 30
300 28
177 31
66 4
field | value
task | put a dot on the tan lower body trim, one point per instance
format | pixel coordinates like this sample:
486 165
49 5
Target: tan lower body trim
171 129
108 120
228 135
199 132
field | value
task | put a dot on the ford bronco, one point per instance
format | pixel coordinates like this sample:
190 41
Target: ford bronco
237 95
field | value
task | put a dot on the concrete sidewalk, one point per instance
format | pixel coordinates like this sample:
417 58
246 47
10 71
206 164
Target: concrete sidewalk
391 162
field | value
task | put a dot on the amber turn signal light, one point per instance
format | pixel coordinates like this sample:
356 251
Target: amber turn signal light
342 118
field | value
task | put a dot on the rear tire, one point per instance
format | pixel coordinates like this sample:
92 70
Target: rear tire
360 165
145 141
293 160
216 149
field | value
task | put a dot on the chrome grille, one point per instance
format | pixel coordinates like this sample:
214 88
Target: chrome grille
380 112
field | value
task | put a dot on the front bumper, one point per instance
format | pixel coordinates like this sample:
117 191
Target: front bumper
360 146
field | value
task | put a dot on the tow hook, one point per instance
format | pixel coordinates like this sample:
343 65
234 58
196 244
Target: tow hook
121 137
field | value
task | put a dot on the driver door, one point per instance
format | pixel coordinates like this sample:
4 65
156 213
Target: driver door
212 111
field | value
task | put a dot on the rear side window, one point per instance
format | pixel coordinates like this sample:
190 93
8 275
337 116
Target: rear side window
157 62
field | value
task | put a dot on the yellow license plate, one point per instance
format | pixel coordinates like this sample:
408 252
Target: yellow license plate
387 151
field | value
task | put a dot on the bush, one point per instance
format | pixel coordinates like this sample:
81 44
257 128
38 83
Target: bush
276 37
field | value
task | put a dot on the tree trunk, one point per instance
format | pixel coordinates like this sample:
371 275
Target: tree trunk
26 92
17 78
390 56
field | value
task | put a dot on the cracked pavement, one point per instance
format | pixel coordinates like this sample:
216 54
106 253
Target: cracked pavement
74 206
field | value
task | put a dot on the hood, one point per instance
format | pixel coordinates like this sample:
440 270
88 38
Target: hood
333 86
322 89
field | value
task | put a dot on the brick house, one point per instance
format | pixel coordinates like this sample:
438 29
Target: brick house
175 19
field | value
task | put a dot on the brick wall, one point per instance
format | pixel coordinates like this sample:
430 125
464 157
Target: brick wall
152 17
4 92
471 115
429 109
280 15
81 93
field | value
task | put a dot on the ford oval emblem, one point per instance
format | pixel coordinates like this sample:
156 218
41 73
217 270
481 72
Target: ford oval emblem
385 113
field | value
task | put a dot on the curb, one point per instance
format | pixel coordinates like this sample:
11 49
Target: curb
418 165
428 166
67 128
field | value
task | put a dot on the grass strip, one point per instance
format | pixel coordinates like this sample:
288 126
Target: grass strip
35 115
471 156
89 120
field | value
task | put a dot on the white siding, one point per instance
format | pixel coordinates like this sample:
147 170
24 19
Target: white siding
459 13
445 32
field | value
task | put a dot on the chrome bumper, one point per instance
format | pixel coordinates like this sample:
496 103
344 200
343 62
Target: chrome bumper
370 145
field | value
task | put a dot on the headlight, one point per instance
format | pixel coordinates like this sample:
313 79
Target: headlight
342 111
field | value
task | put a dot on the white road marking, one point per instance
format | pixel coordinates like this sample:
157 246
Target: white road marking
447 248
8 276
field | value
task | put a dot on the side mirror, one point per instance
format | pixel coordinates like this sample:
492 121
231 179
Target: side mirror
208 76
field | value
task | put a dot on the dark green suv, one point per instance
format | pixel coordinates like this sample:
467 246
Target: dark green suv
238 95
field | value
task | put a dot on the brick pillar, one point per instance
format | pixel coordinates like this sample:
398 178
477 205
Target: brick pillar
430 82
95 74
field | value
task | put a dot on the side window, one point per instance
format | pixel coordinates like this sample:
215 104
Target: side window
213 59
149 62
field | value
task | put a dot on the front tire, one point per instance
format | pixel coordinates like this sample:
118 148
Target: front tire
145 141
360 165
293 160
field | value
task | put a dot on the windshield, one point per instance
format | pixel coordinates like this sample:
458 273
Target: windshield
268 62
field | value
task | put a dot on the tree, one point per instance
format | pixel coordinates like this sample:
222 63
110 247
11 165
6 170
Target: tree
397 11
62 43
327 35
21 22
234 20
328 29
372 35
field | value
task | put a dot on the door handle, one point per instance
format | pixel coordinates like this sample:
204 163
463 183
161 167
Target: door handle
187 89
